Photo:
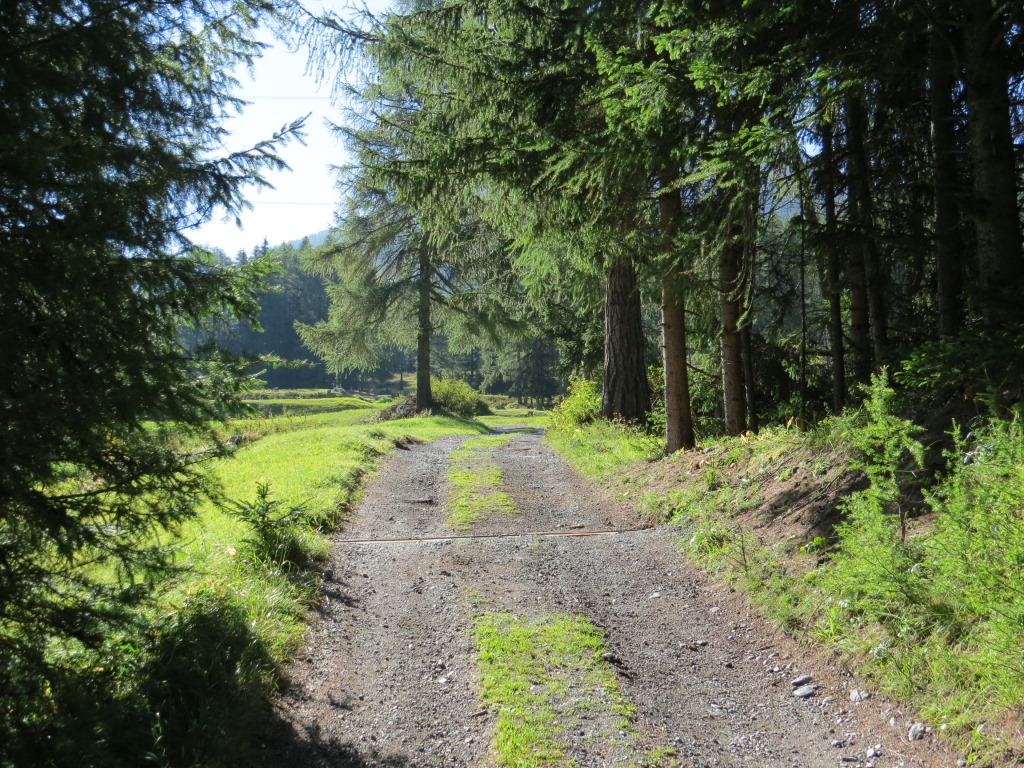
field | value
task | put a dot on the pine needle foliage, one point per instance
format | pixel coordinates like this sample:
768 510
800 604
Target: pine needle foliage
107 157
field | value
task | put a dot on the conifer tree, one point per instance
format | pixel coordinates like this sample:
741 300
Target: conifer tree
108 155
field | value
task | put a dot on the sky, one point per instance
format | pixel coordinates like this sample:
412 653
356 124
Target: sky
304 199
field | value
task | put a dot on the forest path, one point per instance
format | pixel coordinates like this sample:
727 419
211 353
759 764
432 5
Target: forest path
390 674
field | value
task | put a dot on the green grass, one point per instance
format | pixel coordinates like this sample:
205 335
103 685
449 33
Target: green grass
516 417
279 406
934 617
601 450
314 467
475 483
539 676
190 682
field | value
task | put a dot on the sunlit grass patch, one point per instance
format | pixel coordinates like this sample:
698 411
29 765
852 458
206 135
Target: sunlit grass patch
280 406
475 483
187 684
602 449
540 676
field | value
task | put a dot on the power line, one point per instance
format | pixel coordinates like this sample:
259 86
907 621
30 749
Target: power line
288 202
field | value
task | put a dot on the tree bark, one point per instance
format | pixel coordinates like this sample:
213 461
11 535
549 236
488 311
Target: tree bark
751 199
860 190
948 240
730 297
833 286
990 143
860 324
424 399
626 394
678 414
747 350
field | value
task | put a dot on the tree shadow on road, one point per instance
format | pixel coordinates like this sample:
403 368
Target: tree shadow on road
282 744
282 741
335 591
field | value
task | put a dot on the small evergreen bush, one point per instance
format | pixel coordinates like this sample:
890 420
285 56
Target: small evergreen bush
276 537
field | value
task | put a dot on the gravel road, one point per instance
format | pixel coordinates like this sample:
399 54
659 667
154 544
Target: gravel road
388 677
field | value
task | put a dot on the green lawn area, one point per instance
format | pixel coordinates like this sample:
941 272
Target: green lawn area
280 406
316 462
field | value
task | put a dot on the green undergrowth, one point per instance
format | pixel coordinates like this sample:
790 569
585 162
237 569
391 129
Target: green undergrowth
601 451
544 677
188 684
475 483
916 581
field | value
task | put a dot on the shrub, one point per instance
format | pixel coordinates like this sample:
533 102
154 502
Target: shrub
454 396
581 405
276 533
874 568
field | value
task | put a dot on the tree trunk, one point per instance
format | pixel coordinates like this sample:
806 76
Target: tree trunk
626 394
747 350
860 191
424 399
678 414
834 288
990 140
752 199
730 297
948 242
860 324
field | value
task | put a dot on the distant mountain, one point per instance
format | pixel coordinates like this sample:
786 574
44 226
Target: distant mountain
315 240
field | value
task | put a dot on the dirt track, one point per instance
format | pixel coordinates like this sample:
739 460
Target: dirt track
389 676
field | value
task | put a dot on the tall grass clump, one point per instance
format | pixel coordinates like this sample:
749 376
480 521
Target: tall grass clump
595 447
974 563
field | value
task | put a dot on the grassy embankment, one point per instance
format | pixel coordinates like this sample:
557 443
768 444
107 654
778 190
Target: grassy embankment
263 559
837 535
189 682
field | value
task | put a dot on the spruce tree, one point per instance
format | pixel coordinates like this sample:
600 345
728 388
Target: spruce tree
108 155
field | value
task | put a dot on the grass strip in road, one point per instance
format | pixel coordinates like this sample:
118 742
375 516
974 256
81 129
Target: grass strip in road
543 677
475 483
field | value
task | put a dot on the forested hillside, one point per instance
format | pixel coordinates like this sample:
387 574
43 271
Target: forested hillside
523 364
